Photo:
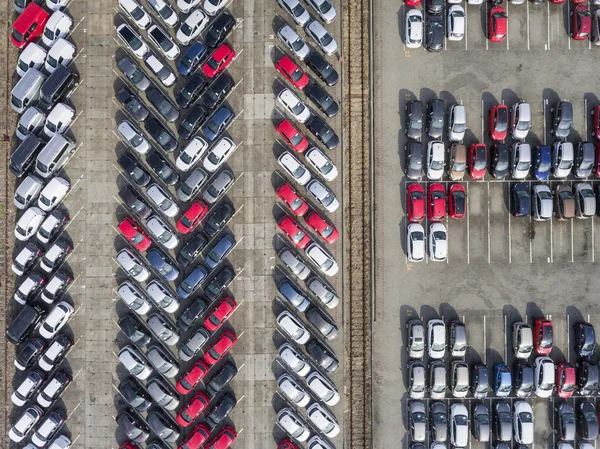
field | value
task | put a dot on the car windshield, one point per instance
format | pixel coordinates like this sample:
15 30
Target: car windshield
504 417
587 193
526 417
187 62
298 172
214 158
137 13
165 236
51 126
566 195
460 420
297 44
459 202
564 124
165 108
165 12
16 35
502 164
437 195
137 238
135 270
213 63
296 204
136 76
186 222
298 236
502 122
296 139
186 29
590 417
523 126
298 10
547 337
568 387
328 199
186 158
565 164
326 167
296 74
213 191
163 73
418 417
136 140
326 39
298 108
544 195
569 418
418 343
459 166
459 127
165 205
327 231
483 418
437 165
523 165
22 65
417 236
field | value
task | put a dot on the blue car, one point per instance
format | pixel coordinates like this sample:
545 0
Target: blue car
218 123
191 58
541 162
192 281
163 264
502 380
219 251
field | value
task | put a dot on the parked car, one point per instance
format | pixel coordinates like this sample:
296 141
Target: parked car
543 376
481 423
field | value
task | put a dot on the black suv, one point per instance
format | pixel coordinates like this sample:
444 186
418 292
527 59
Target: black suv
414 120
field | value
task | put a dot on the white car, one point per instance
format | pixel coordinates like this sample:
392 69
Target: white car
56 5
323 195
26 423
293 42
321 163
31 122
563 155
162 232
191 154
32 57
162 71
27 191
293 327
322 37
322 259
415 242
520 120
543 377
135 362
323 388
56 319
50 226
133 136
59 119
58 26
27 387
413 28
56 287
186 6
132 265
29 223
26 259
212 7
317 442
134 298
294 168
162 297
523 422
324 8
293 391
459 425
294 360
293 105
136 13
165 203
438 242
132 40
61 53
323 420
520 160
435 160
456 23
165 12
293 424
161 39
55 256
298 12
191 27
62 442
53 193
218 154
457 122
436 339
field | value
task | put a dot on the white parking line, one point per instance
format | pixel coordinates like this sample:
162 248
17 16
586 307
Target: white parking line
551 243
593 255
530 241
571 235
509 230
482 119
484 339
548 23
466 32
569 24
568 340
505 342
544 104
585 120
507 34
527 3
487 41
468 229
488 219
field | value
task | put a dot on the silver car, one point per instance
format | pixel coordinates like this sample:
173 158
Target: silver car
417 421
416 382
416 339
322 37
563 156
324 8
413 28
163 362
541 199
191 185
520 161
459 425
218 186
293 42
298 12
28 191
294 263
481 423
503 422
437 379
521 120
163 329
585 200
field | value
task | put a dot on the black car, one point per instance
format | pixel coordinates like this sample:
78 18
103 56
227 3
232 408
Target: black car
499 167
585 339
323 132
135 394
221 379
135 202
324 324
436 117
438 421
191 122
414 120
191 250
219 283
520 201
191 91
319 65
161 134
220 411
163 168
587 378
219 29
324 357
133 104
218 90
163 426
587 421
435 6
414 160
162 104
30 353
133 426
523 379
321 98
434 32
134 169
218 219
132 330
191 314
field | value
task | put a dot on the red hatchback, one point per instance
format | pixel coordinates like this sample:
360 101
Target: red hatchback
134 234
544 336
596 122
415 203
292 72
581 23
218 61
222 312
292 199
565 380
323 227
287 444
29 25
436 202
220 348
294 232
292 136
498 122
196 439
192 378
413 2
497 24
192 409
192 217
224 439
457 201
477 160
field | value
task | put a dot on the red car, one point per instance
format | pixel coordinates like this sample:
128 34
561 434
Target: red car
29 25
322 227
224 439
581 23
292 199
457 201
196 439
192 378
596 122
218 61
477 160
292 72
413 2
192 217
221 313
134 234
498 122
292 136
497 24
565 380
192 409
543 333
294 232
287 444
415 203
220 348
436 202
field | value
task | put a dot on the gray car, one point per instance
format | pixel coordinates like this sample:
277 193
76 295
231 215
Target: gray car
414 160
587 421
436 113
294 295
585 200
414 120
562 119
163 362
541 200
438 421
163 393
417 421
458 338
481 423
134 73
437 379
503 422
323 291
163 329
194 344
218 187
191 185
163 426
135 394
565 422
133 426
416 338
325 325
416 379
584 159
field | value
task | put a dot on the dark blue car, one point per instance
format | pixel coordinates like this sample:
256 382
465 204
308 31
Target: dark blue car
502 380
541 162
163 264
191 58
192 281
218 123
219 251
